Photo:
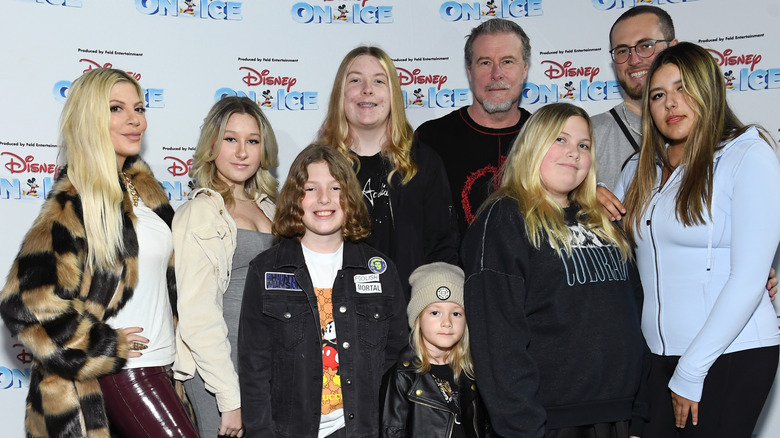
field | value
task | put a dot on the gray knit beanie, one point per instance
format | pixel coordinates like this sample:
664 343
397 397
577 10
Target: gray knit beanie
432 283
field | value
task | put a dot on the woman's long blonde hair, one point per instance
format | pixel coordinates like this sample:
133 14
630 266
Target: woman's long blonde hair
521 180
705 89
85 144
335 129
204 167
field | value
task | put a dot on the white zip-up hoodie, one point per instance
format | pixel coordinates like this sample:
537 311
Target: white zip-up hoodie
704 284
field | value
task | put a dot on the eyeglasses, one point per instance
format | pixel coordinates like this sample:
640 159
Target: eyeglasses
644 49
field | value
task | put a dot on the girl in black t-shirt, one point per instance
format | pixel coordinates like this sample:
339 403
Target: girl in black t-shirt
404 187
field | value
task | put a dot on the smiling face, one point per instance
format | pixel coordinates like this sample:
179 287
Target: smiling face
670 106
567 162
323 217
366 95
441 325
497 72
632 74
239 150
128 121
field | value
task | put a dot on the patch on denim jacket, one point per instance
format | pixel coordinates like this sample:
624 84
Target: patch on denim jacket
368 288
377 265
367 278
281 281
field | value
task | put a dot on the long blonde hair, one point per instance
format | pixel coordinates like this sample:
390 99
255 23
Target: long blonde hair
335 129
703 85
521 180
458 358
85 144
204 167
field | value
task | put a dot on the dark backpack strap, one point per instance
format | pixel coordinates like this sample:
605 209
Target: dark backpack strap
624 128
627 160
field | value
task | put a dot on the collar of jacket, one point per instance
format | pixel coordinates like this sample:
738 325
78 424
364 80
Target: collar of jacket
291 254
125 274
149 189
258 200
430 394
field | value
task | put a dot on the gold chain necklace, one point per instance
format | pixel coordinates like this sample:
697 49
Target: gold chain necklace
131 188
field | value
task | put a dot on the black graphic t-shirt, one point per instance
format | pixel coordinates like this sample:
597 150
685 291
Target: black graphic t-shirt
473 156
445 380
376 193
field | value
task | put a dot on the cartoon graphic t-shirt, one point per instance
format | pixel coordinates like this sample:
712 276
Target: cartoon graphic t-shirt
323 269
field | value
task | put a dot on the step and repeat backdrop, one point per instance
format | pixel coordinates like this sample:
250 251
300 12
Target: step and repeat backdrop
284 55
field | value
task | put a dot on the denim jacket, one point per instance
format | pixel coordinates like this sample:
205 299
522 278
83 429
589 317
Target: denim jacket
280 341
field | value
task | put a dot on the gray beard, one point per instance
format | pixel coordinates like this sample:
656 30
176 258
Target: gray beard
497 107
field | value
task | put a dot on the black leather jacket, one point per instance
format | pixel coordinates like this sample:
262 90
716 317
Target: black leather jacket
280 342
413 406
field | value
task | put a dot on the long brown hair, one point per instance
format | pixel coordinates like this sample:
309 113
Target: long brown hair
705 89
288 221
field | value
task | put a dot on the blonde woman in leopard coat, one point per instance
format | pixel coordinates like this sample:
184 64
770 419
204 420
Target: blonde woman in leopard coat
92 293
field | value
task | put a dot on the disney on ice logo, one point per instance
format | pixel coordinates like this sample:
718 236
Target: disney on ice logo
433 96
206 9
584 90
349 11
71 3
606 5
461 11
177 167
567 69
748 77
153 97
35 188
284 98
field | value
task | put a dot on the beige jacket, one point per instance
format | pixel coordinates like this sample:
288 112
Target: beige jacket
204 239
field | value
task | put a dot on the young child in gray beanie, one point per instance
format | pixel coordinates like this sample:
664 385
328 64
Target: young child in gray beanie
431 392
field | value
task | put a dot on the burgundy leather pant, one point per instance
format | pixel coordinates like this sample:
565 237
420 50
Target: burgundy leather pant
141 402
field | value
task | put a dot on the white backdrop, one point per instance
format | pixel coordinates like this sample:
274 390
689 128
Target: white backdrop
284 54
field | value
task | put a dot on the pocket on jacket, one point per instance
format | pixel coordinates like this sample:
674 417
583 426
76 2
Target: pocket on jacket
212 241
373 320
289 317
